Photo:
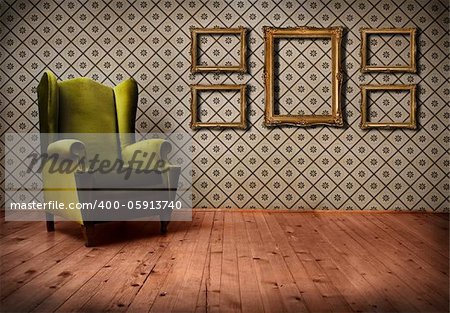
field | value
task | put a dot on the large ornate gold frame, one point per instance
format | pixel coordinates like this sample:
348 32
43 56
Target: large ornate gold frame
335 35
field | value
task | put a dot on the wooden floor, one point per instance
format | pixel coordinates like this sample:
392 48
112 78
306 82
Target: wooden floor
232 262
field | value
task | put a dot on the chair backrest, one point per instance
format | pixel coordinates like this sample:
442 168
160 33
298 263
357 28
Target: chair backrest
81 105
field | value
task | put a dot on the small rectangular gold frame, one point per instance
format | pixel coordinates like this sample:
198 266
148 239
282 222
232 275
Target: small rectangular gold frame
195 123
242 67
365 124
409 68
335 35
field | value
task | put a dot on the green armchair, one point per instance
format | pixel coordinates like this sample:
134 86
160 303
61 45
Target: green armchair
83 106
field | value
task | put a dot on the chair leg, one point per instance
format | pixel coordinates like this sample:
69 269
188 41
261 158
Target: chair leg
50 218
88 230
164 225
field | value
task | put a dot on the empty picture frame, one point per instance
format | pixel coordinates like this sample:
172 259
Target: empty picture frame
366 124
334 34
196 123
241 67
365 42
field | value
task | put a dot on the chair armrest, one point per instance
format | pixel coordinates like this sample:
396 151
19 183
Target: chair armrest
67 149
150 150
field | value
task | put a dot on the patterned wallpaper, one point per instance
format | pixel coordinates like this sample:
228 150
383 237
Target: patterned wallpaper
289 167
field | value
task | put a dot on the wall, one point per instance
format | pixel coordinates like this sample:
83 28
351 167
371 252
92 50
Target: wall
299 168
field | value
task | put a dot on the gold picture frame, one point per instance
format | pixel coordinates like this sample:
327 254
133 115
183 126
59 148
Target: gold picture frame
410 68
195 123
365 124
332 33
241 31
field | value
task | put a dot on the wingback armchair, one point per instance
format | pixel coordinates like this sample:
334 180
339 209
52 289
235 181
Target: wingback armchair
80 106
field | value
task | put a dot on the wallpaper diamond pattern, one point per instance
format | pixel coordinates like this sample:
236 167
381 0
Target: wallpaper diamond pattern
295 168
389 50
303 76
219 106
219 50
389 106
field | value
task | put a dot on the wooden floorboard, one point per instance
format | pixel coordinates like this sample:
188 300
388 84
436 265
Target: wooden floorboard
270 291
250 293
289 291
236 261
